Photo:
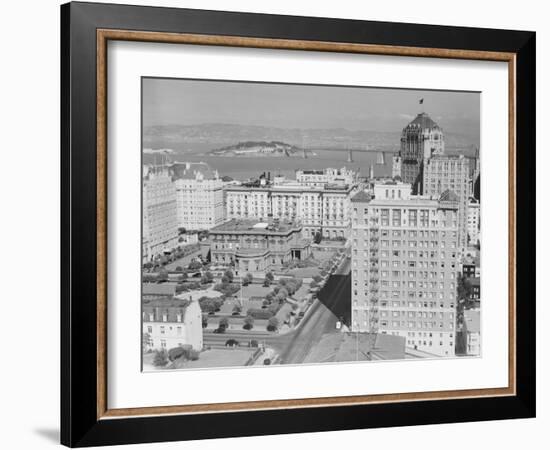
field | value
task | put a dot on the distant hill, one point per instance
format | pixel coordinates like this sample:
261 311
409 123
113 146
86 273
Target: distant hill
217 136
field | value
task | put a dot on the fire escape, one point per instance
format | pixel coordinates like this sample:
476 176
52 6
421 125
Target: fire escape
373 277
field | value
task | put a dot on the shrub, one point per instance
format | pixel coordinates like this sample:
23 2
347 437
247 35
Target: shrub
254 343
194 265
178 352
274 322
317 278
179 269
260 314
224 323
193 355
204 320
161 358
229 275
162 275
248 323
267 362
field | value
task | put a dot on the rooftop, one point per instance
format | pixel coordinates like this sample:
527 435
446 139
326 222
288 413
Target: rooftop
424 121
255 226
361 196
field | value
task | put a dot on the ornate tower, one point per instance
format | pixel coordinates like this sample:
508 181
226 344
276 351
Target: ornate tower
420 140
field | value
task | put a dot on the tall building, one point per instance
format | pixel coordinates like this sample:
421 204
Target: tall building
442 173
404 265
200 197
320 209
420 139
160 225
473 223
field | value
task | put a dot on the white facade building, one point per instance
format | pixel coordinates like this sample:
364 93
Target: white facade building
404 265
160 227
318 178
200 197
473 221
319 209
472 325
170 323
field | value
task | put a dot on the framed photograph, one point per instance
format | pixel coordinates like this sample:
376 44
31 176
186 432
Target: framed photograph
276 224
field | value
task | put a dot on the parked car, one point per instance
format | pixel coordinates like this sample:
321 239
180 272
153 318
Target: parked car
231 343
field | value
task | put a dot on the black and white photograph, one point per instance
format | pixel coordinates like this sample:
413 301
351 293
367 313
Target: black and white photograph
288 224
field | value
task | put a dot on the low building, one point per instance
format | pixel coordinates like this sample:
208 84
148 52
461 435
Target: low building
318 178
476 290
471 267
251 245
170 322
472 328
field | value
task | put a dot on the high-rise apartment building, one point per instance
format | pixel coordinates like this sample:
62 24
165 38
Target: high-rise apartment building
405 254
420 139
473 222
445 172
200 197
160 225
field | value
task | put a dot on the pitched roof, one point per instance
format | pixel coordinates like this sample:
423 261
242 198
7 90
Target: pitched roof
361 196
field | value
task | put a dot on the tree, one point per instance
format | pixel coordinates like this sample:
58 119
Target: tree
204 320
313 284
317 238
237 309
162 275
317 278
183 276
224 323
247 279
464 289
207 277
194 265
248 323
272 324
148 265
229 275
161 358
145 337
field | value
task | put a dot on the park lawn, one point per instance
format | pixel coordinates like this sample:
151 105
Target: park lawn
306 272
323 255
183 262
256 290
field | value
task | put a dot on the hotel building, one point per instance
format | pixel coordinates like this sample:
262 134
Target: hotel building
199 196
404 266
256 246
320 209
160 226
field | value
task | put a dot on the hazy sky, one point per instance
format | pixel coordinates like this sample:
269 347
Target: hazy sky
191 102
